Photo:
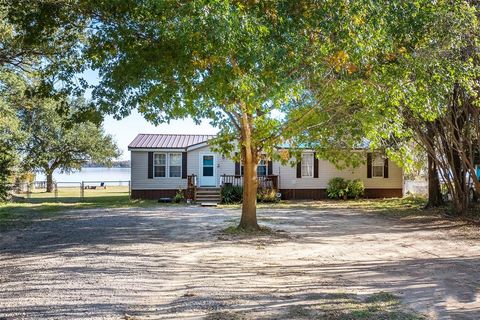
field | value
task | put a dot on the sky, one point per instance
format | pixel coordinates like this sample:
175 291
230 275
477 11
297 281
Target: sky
125 130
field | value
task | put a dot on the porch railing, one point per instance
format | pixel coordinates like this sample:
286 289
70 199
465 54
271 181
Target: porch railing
264 182
191 187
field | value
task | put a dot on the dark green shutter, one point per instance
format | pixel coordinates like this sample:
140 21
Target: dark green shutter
315 165
369 165
184 165
150 165
385 168
237 166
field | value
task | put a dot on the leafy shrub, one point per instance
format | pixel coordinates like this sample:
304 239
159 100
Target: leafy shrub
337 188
355 188
267 195
232 194
179 196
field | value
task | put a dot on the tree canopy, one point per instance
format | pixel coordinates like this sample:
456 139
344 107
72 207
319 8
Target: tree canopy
62 137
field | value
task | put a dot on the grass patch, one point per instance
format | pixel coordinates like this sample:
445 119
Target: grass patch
401 207
226 315
24 212
299 311
234 230
378 306
334 306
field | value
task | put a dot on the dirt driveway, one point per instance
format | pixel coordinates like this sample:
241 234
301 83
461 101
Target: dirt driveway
172 263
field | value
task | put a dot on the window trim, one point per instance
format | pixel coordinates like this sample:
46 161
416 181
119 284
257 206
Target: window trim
166 165
263 165
170 165
375 157
312 165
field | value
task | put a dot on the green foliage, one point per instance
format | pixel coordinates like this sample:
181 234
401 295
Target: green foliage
267 195
339 188
7 161
179 196
355 188
232 194
60 138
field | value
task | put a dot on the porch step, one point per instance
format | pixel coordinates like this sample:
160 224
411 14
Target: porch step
208 196
208 204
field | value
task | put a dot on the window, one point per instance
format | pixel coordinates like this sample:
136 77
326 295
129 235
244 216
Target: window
160 165
378 166
262 168
175 165
307 164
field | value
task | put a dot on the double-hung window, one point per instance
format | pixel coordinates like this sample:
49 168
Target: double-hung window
160 165
377 166
175 165
262 168
307 164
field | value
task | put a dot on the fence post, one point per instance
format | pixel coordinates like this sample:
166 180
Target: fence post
29 190
56 190
82 190
129 189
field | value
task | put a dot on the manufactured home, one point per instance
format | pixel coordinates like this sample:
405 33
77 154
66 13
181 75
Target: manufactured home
164 163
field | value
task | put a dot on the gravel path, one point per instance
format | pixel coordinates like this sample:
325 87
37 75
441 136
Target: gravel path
172 263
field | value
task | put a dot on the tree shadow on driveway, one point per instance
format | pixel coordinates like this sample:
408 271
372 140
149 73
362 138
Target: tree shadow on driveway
170 263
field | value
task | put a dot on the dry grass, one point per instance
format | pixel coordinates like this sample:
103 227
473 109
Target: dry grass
335 306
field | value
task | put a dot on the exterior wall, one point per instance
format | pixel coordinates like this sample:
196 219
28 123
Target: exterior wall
223 165
139 170
319 194
326 171
139 175
290 186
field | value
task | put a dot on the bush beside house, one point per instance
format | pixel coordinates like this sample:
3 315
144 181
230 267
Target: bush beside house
339 188
234 194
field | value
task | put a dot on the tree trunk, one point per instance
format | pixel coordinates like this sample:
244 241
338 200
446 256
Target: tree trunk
434 192
49 174
249 204
250 182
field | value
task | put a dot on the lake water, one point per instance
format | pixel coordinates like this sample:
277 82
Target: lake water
91 174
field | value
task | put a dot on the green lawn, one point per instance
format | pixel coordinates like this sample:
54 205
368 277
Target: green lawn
42 205
396 207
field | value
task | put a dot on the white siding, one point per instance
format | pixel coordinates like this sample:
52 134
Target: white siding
326 171
139 171
223 165
140 179
287 174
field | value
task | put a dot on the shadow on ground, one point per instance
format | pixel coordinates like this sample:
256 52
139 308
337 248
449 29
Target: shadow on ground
171 262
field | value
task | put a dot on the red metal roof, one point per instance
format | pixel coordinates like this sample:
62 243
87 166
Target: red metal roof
168 141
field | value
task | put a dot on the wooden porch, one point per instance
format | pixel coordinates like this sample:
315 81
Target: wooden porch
268 182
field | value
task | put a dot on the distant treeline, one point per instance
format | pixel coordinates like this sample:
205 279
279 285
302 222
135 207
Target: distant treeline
115 164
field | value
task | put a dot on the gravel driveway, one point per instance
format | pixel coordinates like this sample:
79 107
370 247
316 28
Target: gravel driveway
173 263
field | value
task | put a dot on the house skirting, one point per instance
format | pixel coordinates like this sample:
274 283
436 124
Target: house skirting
319 194
153 194
287 194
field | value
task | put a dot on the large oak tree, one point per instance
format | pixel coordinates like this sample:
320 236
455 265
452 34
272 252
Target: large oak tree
233 62
63 134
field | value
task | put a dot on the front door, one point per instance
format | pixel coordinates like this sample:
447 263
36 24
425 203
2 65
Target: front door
207 170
